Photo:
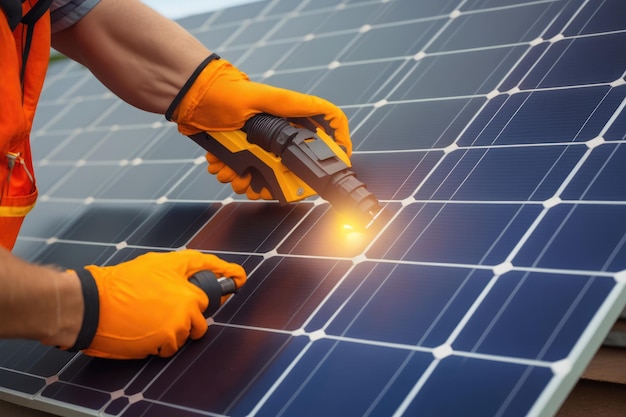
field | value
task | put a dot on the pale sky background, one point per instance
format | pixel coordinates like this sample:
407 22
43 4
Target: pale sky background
175 9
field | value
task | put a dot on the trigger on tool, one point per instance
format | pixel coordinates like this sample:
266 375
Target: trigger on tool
257 182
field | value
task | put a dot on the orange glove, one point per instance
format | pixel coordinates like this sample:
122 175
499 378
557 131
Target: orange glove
241 185
146 306
219 97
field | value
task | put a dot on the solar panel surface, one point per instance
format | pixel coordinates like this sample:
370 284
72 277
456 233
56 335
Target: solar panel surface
493 132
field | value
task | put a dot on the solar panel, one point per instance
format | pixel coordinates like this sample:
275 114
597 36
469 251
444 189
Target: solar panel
492 131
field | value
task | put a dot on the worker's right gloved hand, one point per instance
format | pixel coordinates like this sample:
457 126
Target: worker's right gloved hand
146 306
219 97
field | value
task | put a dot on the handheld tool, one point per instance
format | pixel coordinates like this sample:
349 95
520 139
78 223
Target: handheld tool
214 288
293 161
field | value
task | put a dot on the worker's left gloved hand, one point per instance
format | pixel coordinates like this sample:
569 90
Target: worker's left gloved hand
219 97
146 306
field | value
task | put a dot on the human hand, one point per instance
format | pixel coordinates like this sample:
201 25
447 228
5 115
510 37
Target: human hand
146 306
222 98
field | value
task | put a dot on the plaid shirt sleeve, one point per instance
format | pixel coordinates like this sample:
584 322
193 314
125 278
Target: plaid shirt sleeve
64 13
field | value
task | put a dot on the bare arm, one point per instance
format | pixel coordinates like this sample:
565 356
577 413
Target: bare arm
141 56
38 303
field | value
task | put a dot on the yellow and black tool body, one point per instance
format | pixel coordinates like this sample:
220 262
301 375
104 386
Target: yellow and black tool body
293 163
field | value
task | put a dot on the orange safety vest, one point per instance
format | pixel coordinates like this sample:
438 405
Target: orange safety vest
24 56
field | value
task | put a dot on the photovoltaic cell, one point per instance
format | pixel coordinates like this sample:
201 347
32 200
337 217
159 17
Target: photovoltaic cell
493 134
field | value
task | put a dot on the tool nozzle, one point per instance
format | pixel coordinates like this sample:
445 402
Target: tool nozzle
351 197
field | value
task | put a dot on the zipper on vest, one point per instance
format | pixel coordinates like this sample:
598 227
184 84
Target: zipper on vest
14 158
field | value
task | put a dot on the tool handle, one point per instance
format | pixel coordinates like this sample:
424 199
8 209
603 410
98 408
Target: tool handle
214 288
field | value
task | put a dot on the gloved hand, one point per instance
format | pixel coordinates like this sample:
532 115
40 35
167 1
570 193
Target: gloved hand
219 97
146 306
239 184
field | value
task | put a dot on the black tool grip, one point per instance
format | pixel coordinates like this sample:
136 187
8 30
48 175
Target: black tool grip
214 289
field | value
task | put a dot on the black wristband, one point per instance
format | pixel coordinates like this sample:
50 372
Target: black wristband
181 94
91 314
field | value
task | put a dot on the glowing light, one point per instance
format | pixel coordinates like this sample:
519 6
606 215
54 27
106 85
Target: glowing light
355 239
346 235
351 236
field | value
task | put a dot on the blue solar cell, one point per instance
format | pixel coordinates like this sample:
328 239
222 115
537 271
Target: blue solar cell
65 84
28 250
303 80
316 52
296 27
523 66
100 374
487 4
77 395
357 83
196 21
524 305
438 75
511 388
593 60
170 145
124 113
400 40
117 406
90 111
415 125
544 116
394 175
505 174
84 181
346 18
242 12
401 10
606 16
20 382
212 35
595 181
83 85
249 34
366 380
32 358
293 289
74 255
260 59
110 222
578 236
507 25
46 144
126 144
197 186
248 228
68 148
251 361
55 217
143 181
477 234
172 225
434 300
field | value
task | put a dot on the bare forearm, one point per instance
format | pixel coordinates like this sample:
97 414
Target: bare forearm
141 56
38 303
